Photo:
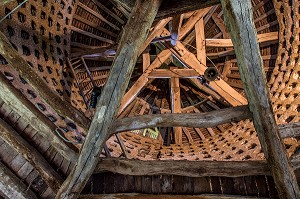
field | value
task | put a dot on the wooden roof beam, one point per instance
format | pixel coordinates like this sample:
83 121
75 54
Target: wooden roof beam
143 79
239 20
39 85
174 7
170 73
194 120
186 168
12 138
12 187
262 39
176 24
21 105
134 35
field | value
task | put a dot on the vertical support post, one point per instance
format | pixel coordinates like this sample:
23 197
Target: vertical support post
176 106
239 21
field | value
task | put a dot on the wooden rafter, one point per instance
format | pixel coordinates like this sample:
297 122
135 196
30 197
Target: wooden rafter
21 105
220 86
143 79
39 85
134 34
12 138
239 20
176 24
12 187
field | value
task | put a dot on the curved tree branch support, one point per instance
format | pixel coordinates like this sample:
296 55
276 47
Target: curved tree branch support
239 21
134 34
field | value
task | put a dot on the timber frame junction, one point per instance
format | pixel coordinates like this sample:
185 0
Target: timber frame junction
199 99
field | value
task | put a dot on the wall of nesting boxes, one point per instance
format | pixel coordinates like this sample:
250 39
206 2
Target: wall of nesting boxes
40 32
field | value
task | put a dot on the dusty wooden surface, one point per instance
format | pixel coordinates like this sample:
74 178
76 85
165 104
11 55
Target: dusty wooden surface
12 187
51 177
201 120
144 196
134 34
27 72
239 22
33 116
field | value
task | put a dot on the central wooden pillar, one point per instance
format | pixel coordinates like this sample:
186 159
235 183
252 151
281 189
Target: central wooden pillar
134 34
239 21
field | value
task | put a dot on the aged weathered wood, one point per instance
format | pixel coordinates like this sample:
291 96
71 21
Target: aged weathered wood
176 107
15 99
186 168
289 130
134 34
176 24
145 196
219 85
39 85
156 31
12 187
239 21
143 79
11 137
226 43
196 120
200 41
169 73
174 7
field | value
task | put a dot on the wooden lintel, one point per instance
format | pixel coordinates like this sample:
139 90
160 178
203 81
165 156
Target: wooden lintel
186 168
21 105
169 73
134 35
196 120
12 187
39 85
239 20
12 138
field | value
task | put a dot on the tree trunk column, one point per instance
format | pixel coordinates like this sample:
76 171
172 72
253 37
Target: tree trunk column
239 21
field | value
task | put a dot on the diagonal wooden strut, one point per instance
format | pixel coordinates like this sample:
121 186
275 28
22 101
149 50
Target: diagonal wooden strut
239 21
134 34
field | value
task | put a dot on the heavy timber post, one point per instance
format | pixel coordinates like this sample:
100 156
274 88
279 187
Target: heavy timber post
134 34
239 22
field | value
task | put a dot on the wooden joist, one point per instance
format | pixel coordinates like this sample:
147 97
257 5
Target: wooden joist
239 21
92 35
186 168
39 85
196 120
134 34
143 196
227 43
21 105
12 138
12 187
170 73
